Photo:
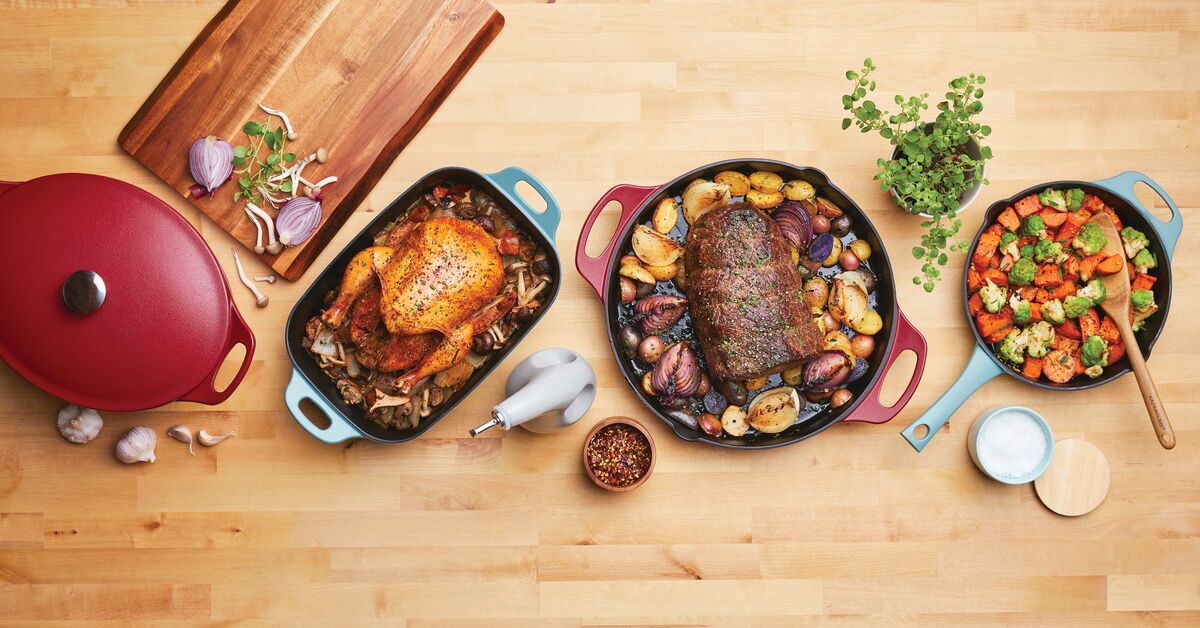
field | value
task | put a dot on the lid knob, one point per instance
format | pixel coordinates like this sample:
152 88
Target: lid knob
83 291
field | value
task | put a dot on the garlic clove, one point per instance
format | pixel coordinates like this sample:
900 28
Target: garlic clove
183 434
137 445
210 440
79 425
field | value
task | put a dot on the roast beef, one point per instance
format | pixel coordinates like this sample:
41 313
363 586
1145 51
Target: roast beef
745 295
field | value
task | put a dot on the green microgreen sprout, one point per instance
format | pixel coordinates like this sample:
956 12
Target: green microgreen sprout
261 158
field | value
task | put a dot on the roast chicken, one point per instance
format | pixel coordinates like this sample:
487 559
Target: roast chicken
432 285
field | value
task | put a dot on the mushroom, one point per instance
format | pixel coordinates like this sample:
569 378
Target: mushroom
380 399
260 299
287 124
273 245
297 168
258 241
267 278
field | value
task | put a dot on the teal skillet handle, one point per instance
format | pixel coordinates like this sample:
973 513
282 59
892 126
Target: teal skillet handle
546 220
1168 232
980 369
298 390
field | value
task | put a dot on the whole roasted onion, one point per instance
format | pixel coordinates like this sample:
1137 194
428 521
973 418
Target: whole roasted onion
795 223
677 372
829 370
658 312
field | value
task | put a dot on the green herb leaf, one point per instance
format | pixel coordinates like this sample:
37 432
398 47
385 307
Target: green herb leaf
286 186
273 159
252 129
289 157
239 151
238 161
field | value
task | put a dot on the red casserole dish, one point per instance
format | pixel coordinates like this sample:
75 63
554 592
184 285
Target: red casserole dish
898 335
115 302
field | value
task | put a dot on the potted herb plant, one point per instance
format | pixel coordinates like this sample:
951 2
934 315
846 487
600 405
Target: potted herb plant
936 168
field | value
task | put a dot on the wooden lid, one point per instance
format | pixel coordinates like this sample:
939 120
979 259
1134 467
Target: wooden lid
1077 480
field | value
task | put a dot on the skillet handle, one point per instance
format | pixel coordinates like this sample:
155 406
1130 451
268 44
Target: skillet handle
239 333
595 269
1168 232
980 369
298 390
547 220
908 337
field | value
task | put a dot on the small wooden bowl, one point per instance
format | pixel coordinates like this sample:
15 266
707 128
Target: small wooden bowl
618 420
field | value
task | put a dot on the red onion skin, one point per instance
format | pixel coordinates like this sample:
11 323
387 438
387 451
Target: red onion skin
298 219
210 160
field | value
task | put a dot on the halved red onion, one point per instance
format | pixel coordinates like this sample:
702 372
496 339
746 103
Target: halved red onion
298 220
210 160
795 223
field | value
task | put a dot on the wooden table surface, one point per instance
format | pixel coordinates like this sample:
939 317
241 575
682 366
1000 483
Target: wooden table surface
851 528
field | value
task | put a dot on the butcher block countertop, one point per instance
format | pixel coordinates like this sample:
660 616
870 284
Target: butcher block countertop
850 528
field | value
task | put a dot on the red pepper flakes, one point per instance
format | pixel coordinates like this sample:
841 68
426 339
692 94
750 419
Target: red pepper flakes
619 455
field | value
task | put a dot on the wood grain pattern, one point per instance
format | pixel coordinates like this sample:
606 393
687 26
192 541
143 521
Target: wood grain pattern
849 529
1077 481
357 78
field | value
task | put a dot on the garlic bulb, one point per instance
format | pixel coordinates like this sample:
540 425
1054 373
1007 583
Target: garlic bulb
137 445
79 425
183 434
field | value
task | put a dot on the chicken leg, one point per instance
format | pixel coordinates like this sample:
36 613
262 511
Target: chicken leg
360 273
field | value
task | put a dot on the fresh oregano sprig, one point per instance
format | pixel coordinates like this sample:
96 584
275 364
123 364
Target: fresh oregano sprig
260 159
931 171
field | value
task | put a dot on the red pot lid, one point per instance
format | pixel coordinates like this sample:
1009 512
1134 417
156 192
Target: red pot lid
152 319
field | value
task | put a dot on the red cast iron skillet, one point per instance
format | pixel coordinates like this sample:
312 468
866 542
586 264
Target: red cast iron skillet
1118 194
637 204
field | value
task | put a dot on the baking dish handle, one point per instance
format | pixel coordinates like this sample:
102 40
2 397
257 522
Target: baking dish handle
595 269
1168 231
908 338
239 333
298 389
547 220
981 368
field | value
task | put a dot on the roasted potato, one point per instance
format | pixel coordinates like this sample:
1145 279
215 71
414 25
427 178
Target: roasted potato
738 183
665 215
663 273
797 190
764 200
870 323
637 273
766 181
837 341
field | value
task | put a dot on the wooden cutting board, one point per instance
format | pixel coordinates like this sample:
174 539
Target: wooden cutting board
357 77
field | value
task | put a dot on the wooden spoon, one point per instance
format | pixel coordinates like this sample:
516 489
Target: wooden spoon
1116 305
